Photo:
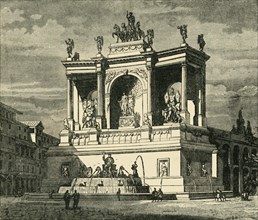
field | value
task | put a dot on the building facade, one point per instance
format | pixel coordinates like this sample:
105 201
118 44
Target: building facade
22 155
149 107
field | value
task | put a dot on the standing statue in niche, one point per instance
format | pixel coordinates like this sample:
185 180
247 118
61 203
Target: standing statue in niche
183 32
172 112
127 104
89 119
130 110
70 46
124 104
100 42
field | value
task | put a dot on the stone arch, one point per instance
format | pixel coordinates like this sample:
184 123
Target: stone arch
113 75
236 155
126 85
110 80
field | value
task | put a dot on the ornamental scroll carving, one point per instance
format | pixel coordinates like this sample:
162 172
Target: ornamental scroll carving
141 72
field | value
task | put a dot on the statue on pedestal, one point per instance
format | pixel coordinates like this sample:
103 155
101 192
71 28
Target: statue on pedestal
150 36
100 42
70 46
134 169
201 42
124 104
139 32
127 104
183 32
131 27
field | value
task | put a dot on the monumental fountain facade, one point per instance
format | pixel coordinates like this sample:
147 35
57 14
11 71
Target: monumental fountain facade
146 110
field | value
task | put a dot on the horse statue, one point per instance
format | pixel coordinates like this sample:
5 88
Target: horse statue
139 32
121 35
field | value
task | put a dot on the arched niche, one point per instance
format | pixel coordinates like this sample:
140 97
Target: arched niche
125 85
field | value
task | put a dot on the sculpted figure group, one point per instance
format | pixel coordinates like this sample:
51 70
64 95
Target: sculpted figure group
127 103
172 112
89 113
132 31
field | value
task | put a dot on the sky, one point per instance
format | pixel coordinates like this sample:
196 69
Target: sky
33 34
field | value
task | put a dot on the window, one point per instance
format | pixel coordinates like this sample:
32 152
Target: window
19 128
19 136
1 137
10 140
10 126
1 164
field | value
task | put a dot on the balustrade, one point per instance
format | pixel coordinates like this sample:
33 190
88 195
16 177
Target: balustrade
125 136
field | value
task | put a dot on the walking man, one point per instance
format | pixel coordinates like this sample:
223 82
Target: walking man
76 198
118 193
67 198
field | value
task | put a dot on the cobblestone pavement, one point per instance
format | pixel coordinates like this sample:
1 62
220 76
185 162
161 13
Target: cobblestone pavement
16 208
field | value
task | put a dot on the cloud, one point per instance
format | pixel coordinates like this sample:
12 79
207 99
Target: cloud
8 16
248 91
27 90
45 40
36 16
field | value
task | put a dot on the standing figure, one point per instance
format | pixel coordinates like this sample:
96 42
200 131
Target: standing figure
124 104
201 42
67 198
130 104
76 198
70 46
131 19
134 168
154 195
160 195
150 36
183 32
163 169
118 193
131 26
100 42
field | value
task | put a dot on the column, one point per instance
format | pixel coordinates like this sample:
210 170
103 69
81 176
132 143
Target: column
100 93
203 95
107 107
184 110
69 112
76 107
200 105
214 161
149 91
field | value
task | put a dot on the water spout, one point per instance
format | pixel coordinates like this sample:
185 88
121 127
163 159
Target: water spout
143 170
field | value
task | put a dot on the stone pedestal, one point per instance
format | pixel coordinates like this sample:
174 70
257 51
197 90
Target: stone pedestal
127 48
64 138
126 122
145 133
93 137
